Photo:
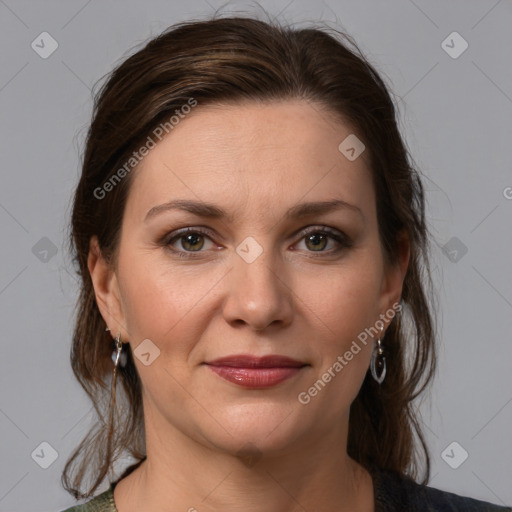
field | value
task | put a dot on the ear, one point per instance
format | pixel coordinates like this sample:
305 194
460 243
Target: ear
394 275
106 290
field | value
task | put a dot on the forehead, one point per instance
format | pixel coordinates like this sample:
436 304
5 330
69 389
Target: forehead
263 154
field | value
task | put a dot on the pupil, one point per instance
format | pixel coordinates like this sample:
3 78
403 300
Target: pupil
316 239
192 240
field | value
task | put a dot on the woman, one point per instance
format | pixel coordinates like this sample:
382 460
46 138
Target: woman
250 234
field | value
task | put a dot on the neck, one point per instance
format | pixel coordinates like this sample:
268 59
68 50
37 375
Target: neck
308 475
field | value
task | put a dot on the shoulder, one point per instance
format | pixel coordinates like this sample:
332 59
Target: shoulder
101 503
395 492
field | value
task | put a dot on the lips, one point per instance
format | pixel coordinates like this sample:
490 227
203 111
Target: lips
244 361
256 372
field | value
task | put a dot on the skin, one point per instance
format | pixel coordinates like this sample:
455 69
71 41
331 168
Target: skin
296 298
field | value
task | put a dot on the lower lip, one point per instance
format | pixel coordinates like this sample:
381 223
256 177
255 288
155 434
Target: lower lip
255 377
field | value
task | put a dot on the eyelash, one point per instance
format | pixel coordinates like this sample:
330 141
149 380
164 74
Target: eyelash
343 241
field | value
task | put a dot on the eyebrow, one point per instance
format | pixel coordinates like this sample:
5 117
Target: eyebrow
208 210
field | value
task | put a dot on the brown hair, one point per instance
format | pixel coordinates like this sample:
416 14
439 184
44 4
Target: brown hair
237 59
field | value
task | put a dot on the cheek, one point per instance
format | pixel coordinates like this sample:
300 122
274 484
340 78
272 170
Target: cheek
342 347
343 305
348 319
162 302
346 299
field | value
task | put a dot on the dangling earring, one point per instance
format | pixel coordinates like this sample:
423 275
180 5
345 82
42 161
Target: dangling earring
378 362
119 359
118 356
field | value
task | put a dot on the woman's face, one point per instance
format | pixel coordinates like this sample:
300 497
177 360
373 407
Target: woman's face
254 277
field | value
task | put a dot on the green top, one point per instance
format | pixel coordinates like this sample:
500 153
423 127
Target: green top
393 493
101 503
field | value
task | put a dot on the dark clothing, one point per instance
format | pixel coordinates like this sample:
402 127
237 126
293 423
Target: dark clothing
393 493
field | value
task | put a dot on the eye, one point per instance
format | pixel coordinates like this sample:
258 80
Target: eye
189 240
317 239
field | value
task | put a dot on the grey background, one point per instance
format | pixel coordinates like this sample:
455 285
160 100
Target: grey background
456 115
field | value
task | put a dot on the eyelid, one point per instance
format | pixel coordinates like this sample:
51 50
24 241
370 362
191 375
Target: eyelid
321 229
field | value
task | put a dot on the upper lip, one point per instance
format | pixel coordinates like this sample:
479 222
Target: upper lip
248 361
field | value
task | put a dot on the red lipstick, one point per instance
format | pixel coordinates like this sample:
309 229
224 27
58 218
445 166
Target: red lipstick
255 372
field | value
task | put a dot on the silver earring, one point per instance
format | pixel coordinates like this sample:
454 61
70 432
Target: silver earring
378 362
118 356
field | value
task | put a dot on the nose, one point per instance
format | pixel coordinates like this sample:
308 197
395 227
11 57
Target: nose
258 295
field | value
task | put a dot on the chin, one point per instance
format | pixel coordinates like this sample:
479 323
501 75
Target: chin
267 428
